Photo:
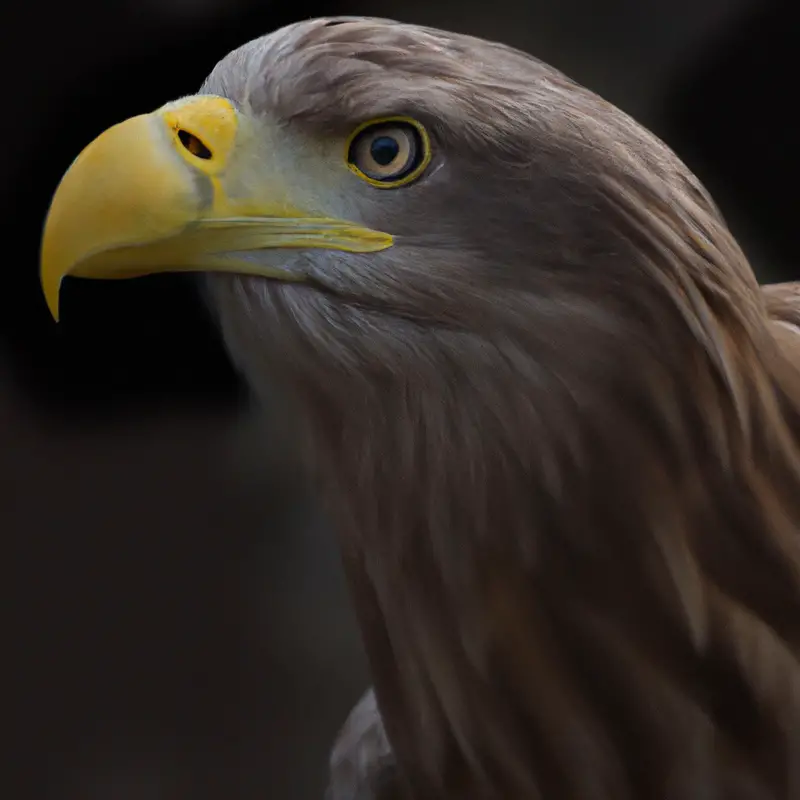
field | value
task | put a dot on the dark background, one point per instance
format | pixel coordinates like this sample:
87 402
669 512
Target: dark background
178 627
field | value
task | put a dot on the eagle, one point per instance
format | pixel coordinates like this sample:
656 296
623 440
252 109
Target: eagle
553 416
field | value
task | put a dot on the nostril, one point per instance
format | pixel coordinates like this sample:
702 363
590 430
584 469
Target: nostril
194 145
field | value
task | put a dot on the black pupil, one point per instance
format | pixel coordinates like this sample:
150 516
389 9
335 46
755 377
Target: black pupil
384 150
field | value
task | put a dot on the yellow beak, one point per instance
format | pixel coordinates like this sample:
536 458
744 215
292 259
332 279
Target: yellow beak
185 188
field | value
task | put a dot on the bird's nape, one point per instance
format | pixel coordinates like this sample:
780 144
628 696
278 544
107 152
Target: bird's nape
555 418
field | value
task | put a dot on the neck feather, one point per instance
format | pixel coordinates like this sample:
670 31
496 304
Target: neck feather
557 565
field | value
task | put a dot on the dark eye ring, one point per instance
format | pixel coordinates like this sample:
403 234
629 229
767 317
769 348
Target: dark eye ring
390 152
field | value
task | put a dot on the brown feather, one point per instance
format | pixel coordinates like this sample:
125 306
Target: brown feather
557 426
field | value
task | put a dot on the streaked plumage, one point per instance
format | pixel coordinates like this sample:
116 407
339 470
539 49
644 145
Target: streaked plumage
556 422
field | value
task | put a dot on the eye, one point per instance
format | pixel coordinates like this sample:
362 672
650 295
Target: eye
389 153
